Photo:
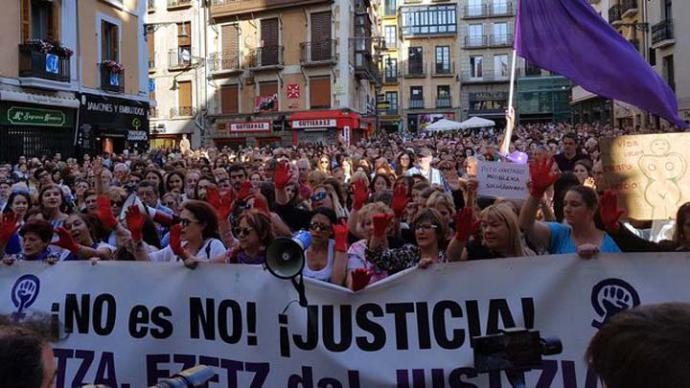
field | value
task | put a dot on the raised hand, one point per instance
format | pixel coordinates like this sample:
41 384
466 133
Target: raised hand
465 224
400 201
360 278
381 222
221 202
340 233
176 240
135 222
8 226
609 211
261 205
281 175
541 177
360 193
245 191
105 212
66 241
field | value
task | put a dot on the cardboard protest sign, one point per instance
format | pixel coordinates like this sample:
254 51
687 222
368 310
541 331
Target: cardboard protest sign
649 173
502 179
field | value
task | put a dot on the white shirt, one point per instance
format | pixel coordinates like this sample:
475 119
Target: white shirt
209 249
324 274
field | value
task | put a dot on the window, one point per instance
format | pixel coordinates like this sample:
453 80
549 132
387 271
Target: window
669 71
668 10
474 8
442 60
500 33
320 92
110 42
443 96
151 43
389 9
321 36
499 7
392 98
391 36
416 97
429 20
488 102
476 68
184 43
415 60
270 38
391 69
475 33
229 99
501 66
231 47
268 92
42 23
184 98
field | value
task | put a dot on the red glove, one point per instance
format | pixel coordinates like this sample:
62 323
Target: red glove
105 212
360 278
400 201
541 177
135 222
465 225
221 202
609 211
360 194
281 175
66 241
245 191
176 240
340 233
381 222
261 205
8 226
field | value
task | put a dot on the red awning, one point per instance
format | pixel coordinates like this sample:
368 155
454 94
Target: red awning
314 119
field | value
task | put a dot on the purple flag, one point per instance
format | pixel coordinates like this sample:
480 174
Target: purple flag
568 37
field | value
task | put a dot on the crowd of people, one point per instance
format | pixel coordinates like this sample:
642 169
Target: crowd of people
372 209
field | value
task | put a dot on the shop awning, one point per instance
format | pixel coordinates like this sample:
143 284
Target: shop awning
324 119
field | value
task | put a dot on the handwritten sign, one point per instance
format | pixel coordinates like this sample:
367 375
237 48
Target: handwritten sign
501 179
649 173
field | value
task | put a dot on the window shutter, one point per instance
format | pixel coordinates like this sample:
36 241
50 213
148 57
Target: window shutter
230 35
320 92
51 32
184 34
184 95
151 42
25 20
228 97
269 32
115 43
320 36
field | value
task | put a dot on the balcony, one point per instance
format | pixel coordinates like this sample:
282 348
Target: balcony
318 53
441 70
112 81
366 67
224 62
488 10
415 70
33 62
391 77
266 58
662 34
416 104
179 59
182 111
501 40
444 102
615 15
177 4
628 8
476 41
227 8
486 77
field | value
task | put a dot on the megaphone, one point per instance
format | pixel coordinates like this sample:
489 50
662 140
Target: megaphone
285 260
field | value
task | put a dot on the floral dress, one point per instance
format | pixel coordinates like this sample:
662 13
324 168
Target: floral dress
399 259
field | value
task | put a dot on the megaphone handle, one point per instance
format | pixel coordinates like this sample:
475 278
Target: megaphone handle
299 286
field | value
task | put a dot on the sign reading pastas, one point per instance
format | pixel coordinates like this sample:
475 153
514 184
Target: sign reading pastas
649 173
252 126
319 123
502 179
413 329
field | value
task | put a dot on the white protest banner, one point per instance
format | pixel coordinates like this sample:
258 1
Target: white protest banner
135 323
502 179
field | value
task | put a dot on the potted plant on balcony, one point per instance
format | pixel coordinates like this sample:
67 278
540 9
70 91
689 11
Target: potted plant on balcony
49 46
113 66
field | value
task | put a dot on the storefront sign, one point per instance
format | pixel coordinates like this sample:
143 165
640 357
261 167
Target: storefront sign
112 113
35 116
137 136
320 123
252 126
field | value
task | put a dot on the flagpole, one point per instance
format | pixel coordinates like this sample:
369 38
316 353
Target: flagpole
510 123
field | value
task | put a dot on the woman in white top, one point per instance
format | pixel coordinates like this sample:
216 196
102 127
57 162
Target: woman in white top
193 240
322 261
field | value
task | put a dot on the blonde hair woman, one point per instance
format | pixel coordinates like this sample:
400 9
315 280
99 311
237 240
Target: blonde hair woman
443 203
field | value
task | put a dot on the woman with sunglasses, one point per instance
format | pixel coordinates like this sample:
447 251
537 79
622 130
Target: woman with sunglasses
326 258
194 239
324 164
430 247
254 235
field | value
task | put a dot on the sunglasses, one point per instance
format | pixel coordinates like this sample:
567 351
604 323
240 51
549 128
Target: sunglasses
242 231
318 196
316 226
425 228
